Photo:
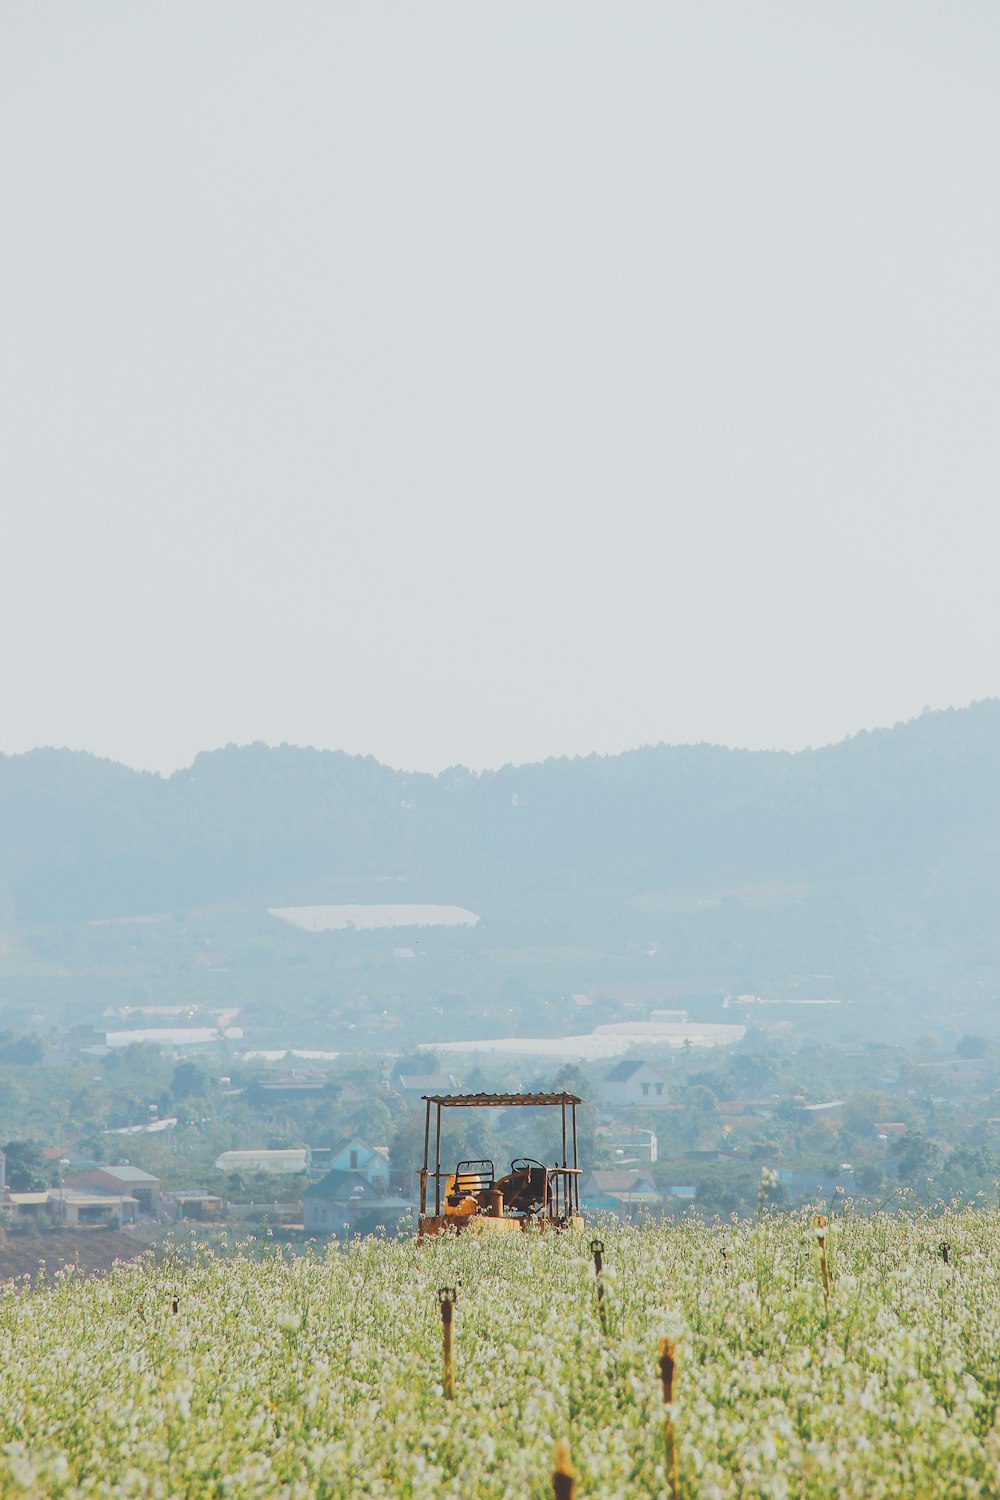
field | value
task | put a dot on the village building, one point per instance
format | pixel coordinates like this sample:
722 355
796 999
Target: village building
803 1185
624 1191
124 1181
197 1204
353 1155
284 1159
264 1092
23 1206
634 1085
335 1203
412 1087
76 1208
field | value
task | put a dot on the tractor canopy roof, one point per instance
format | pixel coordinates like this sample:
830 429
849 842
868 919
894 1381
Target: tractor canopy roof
495 1101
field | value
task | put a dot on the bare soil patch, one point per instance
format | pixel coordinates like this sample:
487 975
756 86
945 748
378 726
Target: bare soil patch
92 1250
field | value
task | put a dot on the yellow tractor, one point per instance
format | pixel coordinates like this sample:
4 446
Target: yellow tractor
473 1198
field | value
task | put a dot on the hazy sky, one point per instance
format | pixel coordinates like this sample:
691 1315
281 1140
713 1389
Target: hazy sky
475 383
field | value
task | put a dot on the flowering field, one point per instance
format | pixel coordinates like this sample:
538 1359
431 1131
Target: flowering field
323 1377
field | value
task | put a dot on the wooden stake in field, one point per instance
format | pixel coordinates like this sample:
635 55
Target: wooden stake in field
597 1251
820 1225
446 1298
668 1369
563 1478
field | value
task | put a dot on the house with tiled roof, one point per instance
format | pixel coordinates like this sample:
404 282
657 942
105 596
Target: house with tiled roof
123 1181
633 1085
413 1086
620 1190
336 1203
354 1155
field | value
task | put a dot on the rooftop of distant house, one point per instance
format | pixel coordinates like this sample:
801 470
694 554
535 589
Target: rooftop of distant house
623 1071
428 1083
617 1179
350 1141
124 1173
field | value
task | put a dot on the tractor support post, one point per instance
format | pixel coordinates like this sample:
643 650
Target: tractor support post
423 1175
575 1188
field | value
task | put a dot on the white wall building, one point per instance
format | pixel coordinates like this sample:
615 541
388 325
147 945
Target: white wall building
634 1085
290 1159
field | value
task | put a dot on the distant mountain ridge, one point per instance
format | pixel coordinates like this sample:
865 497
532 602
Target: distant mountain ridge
82 837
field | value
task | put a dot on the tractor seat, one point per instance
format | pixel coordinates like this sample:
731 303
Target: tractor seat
525 1190
473 1178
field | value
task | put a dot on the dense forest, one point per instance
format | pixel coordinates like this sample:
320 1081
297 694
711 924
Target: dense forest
81 836
880 850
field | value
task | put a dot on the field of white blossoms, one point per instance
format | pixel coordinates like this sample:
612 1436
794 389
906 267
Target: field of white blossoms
323 1376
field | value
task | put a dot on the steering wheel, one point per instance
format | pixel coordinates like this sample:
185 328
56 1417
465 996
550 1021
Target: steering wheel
525 1164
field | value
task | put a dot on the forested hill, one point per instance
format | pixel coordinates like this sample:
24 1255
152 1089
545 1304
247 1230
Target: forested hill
83 837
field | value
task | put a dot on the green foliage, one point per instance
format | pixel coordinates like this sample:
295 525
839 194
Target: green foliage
27 1168
188 1078
968 1172
914 1158
22 1051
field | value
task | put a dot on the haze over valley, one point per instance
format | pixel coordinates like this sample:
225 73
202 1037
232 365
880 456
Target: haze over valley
329 897
495 505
